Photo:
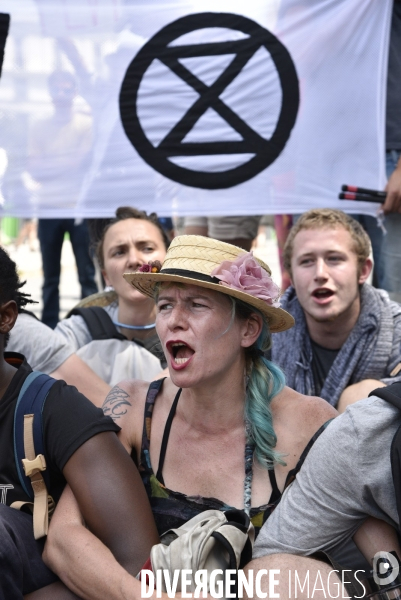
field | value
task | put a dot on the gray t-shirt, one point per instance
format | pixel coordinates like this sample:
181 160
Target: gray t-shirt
75 331
44 350
345 478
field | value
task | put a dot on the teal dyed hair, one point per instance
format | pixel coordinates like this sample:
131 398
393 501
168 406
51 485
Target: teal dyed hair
265 380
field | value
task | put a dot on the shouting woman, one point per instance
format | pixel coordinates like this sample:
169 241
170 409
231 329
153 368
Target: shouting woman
223 431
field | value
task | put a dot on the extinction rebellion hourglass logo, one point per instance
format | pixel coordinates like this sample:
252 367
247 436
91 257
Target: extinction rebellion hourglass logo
175 154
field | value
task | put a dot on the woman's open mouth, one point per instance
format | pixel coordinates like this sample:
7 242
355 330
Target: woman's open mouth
180 353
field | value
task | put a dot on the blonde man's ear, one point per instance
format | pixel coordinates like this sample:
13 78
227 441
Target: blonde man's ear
366 270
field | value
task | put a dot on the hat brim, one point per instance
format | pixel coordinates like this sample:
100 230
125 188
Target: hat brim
277 318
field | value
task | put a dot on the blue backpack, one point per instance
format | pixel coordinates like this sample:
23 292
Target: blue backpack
29 449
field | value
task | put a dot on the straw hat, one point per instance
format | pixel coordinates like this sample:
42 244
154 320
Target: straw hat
191 259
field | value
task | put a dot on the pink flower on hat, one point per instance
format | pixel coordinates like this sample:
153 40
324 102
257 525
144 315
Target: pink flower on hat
246 275
145 269
152 267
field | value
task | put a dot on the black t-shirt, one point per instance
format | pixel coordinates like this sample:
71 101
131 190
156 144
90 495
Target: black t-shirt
322 360
69 420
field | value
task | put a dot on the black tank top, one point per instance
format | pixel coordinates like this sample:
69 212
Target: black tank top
172 509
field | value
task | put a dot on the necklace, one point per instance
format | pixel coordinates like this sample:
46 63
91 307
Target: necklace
136 327
249 452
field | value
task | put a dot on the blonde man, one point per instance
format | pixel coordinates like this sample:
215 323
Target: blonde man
347 337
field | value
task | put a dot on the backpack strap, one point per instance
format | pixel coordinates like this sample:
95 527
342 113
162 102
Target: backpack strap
294 472
29 448
395 456
99 323
390 393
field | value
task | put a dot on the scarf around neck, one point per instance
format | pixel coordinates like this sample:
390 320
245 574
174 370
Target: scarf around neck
364 355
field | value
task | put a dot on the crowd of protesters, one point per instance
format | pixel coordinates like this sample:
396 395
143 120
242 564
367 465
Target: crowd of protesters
242 377
193 383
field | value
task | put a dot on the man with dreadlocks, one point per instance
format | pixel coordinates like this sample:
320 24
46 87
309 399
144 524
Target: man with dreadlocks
81 448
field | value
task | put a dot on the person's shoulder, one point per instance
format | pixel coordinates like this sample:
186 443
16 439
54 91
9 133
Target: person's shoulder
370 422
74 330
64 393
67 407
125 404
134 392
126 401
136 389
383 297
373 414
28 322
70 322
294 401
302 413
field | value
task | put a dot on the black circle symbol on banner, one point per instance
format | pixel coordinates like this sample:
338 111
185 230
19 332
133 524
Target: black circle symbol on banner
264 151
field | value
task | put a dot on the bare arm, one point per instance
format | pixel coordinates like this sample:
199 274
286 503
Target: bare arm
81 560
75 372
54 591
393 188
357 391
112 499
113 502
376 536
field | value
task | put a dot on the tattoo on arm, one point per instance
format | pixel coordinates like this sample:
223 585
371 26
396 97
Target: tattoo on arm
116 403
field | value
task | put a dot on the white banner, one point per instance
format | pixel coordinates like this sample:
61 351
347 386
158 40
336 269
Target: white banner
191 108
